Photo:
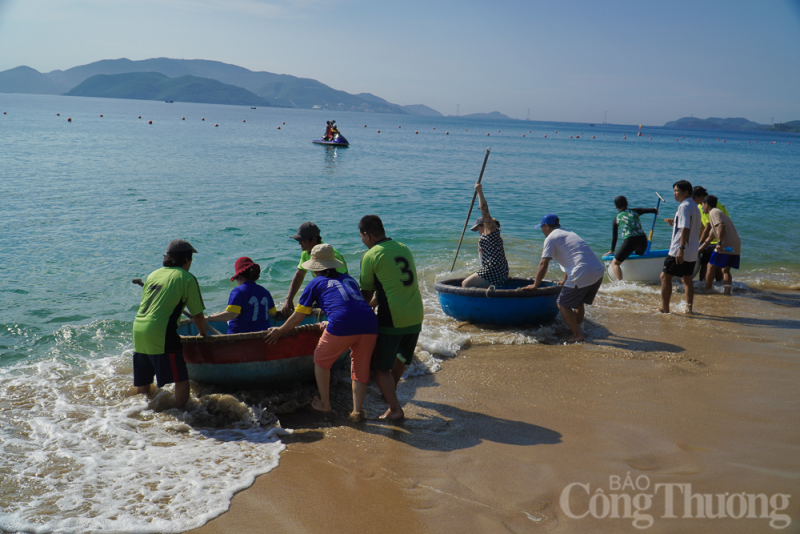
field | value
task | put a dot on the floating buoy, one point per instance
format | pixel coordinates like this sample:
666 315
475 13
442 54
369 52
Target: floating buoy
448 133
466 130
556 131
717 138
581 133
140 116
748 141
676 138
203 118
243 120
545 135
577 137
284 123
399 126
217 125
683 137
365 126
756 140
698 139
498 131
723 140
379 131
279 127
183 118
58 114
149 122
69 119
570 137
416 131
624 137
603 133
434 127
523 135
100 114
592 137
529 131
487 133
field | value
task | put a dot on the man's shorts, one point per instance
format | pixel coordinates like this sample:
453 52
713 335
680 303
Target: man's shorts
168 369
361 346
389 348
633 245
573 297
672 267
724 260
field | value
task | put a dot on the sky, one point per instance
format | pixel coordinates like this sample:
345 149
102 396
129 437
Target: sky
640 62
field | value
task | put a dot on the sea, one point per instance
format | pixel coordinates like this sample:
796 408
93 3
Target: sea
92 190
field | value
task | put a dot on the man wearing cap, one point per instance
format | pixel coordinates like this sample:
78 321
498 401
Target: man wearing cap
583 272
388 271
494 266
156 344
250 305
308 236
683 251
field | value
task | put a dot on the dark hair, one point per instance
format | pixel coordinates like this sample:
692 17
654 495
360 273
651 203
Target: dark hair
176 259
252 274
711 200
328 273
621 202
683 185
556 224
371 224
699 191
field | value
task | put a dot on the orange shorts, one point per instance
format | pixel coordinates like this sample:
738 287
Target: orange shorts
330 347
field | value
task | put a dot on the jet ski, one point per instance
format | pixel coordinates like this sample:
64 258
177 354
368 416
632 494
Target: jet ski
338 140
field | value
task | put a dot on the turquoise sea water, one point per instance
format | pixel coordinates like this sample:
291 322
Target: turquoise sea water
90 204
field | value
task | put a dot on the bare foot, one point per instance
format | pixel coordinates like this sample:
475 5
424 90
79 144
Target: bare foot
661 310
575 339
393 416
728 290
689 310
320 406
357 417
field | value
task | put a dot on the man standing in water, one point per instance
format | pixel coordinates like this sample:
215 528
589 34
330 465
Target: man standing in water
156 344
583 272
729 246
308 237
388 270
683 250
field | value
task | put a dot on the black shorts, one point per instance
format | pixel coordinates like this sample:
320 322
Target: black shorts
168 368
573 297
390 348
672 267
633 245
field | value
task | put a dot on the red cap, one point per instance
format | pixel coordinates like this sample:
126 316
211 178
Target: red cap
241 265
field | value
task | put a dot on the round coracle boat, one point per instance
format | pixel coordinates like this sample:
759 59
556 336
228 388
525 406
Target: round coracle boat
504 305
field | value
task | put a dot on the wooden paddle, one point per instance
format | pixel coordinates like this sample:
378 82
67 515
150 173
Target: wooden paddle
474 196
138 282
650 237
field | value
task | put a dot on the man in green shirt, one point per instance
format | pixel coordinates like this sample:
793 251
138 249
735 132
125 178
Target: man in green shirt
156 343
388 271
307 236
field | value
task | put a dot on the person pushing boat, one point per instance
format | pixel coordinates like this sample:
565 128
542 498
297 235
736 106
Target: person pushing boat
250 305
494 266
307 236
351 324
634 240
728 248
157 349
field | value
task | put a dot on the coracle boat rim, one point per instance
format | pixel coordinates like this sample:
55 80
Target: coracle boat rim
452 286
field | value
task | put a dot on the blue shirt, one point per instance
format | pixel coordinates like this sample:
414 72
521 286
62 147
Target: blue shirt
253 303
340 299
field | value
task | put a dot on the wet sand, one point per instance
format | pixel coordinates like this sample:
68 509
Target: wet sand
492 440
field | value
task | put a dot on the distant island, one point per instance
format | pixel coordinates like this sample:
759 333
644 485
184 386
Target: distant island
261 88
714 123
492 115
156 86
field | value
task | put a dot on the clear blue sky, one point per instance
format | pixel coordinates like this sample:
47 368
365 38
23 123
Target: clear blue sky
644 62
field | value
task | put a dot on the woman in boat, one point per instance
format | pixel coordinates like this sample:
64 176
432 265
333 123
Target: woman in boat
494 267
250 305
351 324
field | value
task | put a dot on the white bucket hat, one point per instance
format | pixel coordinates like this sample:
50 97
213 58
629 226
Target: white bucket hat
322 257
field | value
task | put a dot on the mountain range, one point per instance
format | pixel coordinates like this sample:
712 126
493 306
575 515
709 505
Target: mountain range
264 88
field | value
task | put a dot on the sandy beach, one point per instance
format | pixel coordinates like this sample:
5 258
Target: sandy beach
493 439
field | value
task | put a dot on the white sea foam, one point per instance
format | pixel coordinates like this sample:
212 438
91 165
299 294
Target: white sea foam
77 454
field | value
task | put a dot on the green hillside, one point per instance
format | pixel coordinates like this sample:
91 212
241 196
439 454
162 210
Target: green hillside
157 86
714 123
786 127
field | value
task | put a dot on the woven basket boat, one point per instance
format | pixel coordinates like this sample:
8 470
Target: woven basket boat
504 305
245 361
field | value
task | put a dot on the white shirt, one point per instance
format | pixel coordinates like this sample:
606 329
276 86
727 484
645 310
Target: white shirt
687 216
575 257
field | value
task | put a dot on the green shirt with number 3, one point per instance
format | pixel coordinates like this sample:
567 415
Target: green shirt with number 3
388 269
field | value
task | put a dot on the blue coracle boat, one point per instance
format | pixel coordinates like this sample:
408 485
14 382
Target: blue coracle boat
504 305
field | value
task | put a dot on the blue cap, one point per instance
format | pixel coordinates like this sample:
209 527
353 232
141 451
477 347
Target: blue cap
550 219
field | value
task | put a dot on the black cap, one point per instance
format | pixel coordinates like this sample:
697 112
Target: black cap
177 246
307 230
480 222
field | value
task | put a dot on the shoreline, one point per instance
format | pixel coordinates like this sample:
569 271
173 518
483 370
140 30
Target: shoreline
493 439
